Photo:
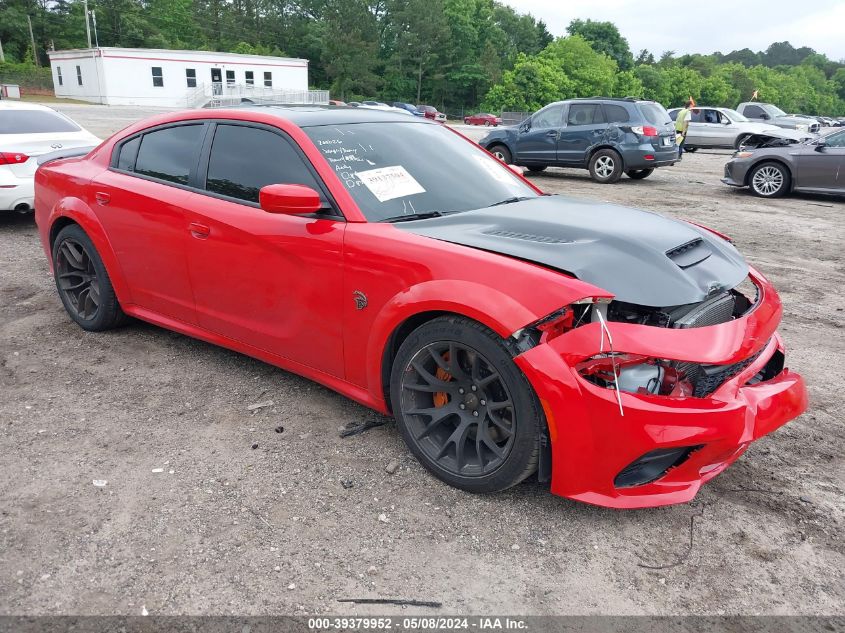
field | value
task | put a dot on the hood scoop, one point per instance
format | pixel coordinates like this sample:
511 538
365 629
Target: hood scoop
640 257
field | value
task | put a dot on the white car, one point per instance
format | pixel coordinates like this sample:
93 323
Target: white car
28 130
378 105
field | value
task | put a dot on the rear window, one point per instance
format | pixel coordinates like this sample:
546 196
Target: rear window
170 153
654 113
615 113
34 122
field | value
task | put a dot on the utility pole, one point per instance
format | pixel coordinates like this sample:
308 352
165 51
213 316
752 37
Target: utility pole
2 56
32 38
87 25
94 18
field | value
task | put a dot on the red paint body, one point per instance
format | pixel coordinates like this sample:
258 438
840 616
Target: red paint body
482 119
279 287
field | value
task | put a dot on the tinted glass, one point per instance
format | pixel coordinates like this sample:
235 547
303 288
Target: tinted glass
615 113
407 168
169 154
244 159
128 152
654 113
734 115
550 116
753 111
34 122
584 114
191 77
158 79
837 139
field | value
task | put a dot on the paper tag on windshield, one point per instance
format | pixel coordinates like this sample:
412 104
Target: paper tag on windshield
387 183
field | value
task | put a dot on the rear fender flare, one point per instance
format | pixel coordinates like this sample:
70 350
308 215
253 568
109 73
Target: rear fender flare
77 211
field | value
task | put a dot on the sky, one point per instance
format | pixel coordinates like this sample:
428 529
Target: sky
707 25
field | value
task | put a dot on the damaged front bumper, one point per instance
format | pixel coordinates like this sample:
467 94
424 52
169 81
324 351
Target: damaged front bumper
673 443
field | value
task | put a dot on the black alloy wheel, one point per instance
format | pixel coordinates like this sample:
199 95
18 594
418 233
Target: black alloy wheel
464 408
83 283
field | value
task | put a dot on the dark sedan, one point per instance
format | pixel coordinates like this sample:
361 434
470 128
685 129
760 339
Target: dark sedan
770 171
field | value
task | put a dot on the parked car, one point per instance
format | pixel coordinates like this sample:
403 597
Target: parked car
335 102
354 104
610 137
430 112
409 107
726 128
769 113
398 263
377 105
483 118
775 169
28 130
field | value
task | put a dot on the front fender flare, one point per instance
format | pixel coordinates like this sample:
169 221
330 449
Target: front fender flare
478 302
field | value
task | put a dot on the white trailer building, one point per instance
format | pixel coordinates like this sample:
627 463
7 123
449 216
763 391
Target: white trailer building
181 79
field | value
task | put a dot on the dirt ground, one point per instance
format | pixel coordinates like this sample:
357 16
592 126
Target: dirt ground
245 519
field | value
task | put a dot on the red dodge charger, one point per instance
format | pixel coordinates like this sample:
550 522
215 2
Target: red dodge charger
622 356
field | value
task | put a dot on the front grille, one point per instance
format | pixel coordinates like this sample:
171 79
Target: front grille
706 379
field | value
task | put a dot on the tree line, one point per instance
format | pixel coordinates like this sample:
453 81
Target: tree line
457 54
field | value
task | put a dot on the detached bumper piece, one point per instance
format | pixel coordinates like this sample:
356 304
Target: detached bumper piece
636 449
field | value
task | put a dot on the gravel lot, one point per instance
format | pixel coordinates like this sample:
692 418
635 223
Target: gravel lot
245 519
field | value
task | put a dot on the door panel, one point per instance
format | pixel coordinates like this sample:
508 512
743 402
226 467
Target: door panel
821 169
272 281
538 144
585 126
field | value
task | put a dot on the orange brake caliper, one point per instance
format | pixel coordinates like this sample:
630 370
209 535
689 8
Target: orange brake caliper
441 397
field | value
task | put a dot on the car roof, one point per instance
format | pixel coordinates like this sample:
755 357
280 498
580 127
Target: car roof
309 116
5 104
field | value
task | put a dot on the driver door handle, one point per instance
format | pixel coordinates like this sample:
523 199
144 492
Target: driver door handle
552 133
200 231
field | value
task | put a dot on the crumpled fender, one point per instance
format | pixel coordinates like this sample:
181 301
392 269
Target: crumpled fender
77 210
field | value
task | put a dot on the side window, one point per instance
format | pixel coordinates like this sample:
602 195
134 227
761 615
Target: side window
584 114
79 75
753 111
249 77
59 74
170 153
128 152
615 113
230 77
268 79
548 117
696 116
191 77
836 140
244 159
158 77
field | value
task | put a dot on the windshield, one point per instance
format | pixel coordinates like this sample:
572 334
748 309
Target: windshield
34 122
405 169
733 115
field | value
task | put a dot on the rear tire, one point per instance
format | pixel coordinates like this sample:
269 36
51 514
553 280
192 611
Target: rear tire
769 180
464 408
502 153
83 283
639 174
606 166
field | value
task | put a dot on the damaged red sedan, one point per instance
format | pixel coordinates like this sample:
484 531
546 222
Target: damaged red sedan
624 357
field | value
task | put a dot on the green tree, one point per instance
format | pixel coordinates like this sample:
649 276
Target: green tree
605 38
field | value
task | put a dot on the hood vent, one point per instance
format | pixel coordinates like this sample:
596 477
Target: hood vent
689 254
542 239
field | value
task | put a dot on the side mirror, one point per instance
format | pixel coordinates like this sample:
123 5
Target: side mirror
289 199
726 121
525 125
820 144
765 116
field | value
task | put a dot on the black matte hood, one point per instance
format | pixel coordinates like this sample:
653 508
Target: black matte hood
639 256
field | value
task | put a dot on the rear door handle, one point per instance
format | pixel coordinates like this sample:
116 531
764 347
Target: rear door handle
552 133
199 231
102 198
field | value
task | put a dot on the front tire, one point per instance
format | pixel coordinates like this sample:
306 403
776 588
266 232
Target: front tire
464 408
769 180
83 283
502 153
606 166
639 174
740 140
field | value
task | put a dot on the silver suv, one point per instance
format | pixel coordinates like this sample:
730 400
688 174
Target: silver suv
726 128
769 113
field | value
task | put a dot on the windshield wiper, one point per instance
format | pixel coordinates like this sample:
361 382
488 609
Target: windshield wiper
408 217
510 200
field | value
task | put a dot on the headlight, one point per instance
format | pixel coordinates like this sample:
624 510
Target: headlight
743 154
634 374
